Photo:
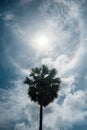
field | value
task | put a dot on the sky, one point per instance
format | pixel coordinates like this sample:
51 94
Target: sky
36 32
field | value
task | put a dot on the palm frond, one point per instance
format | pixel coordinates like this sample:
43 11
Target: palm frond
45 69
32 92
36 70
52 73
56 80
28 81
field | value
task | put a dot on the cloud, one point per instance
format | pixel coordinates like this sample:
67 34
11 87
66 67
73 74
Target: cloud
51 22
21 126
18 108
12 103
62 63
65 28
72 111
65 36
74 107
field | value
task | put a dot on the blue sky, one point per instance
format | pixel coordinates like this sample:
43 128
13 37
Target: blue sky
36 32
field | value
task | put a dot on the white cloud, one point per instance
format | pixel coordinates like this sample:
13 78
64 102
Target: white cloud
74 107
12 103
70 112
21 126
17 107
62 63
61 32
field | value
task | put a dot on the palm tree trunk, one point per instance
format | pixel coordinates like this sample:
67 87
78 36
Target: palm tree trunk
41 117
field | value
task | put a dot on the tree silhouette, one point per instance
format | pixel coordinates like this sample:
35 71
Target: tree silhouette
43 87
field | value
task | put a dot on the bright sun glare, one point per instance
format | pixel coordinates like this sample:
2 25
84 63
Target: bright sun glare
41 41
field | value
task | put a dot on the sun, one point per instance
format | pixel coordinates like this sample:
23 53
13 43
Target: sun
41 41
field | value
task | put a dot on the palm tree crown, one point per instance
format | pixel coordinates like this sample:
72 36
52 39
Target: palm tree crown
43 85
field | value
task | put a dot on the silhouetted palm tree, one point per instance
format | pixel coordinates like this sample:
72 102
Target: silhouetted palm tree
43 87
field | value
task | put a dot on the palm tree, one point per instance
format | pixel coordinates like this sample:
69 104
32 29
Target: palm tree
43 87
